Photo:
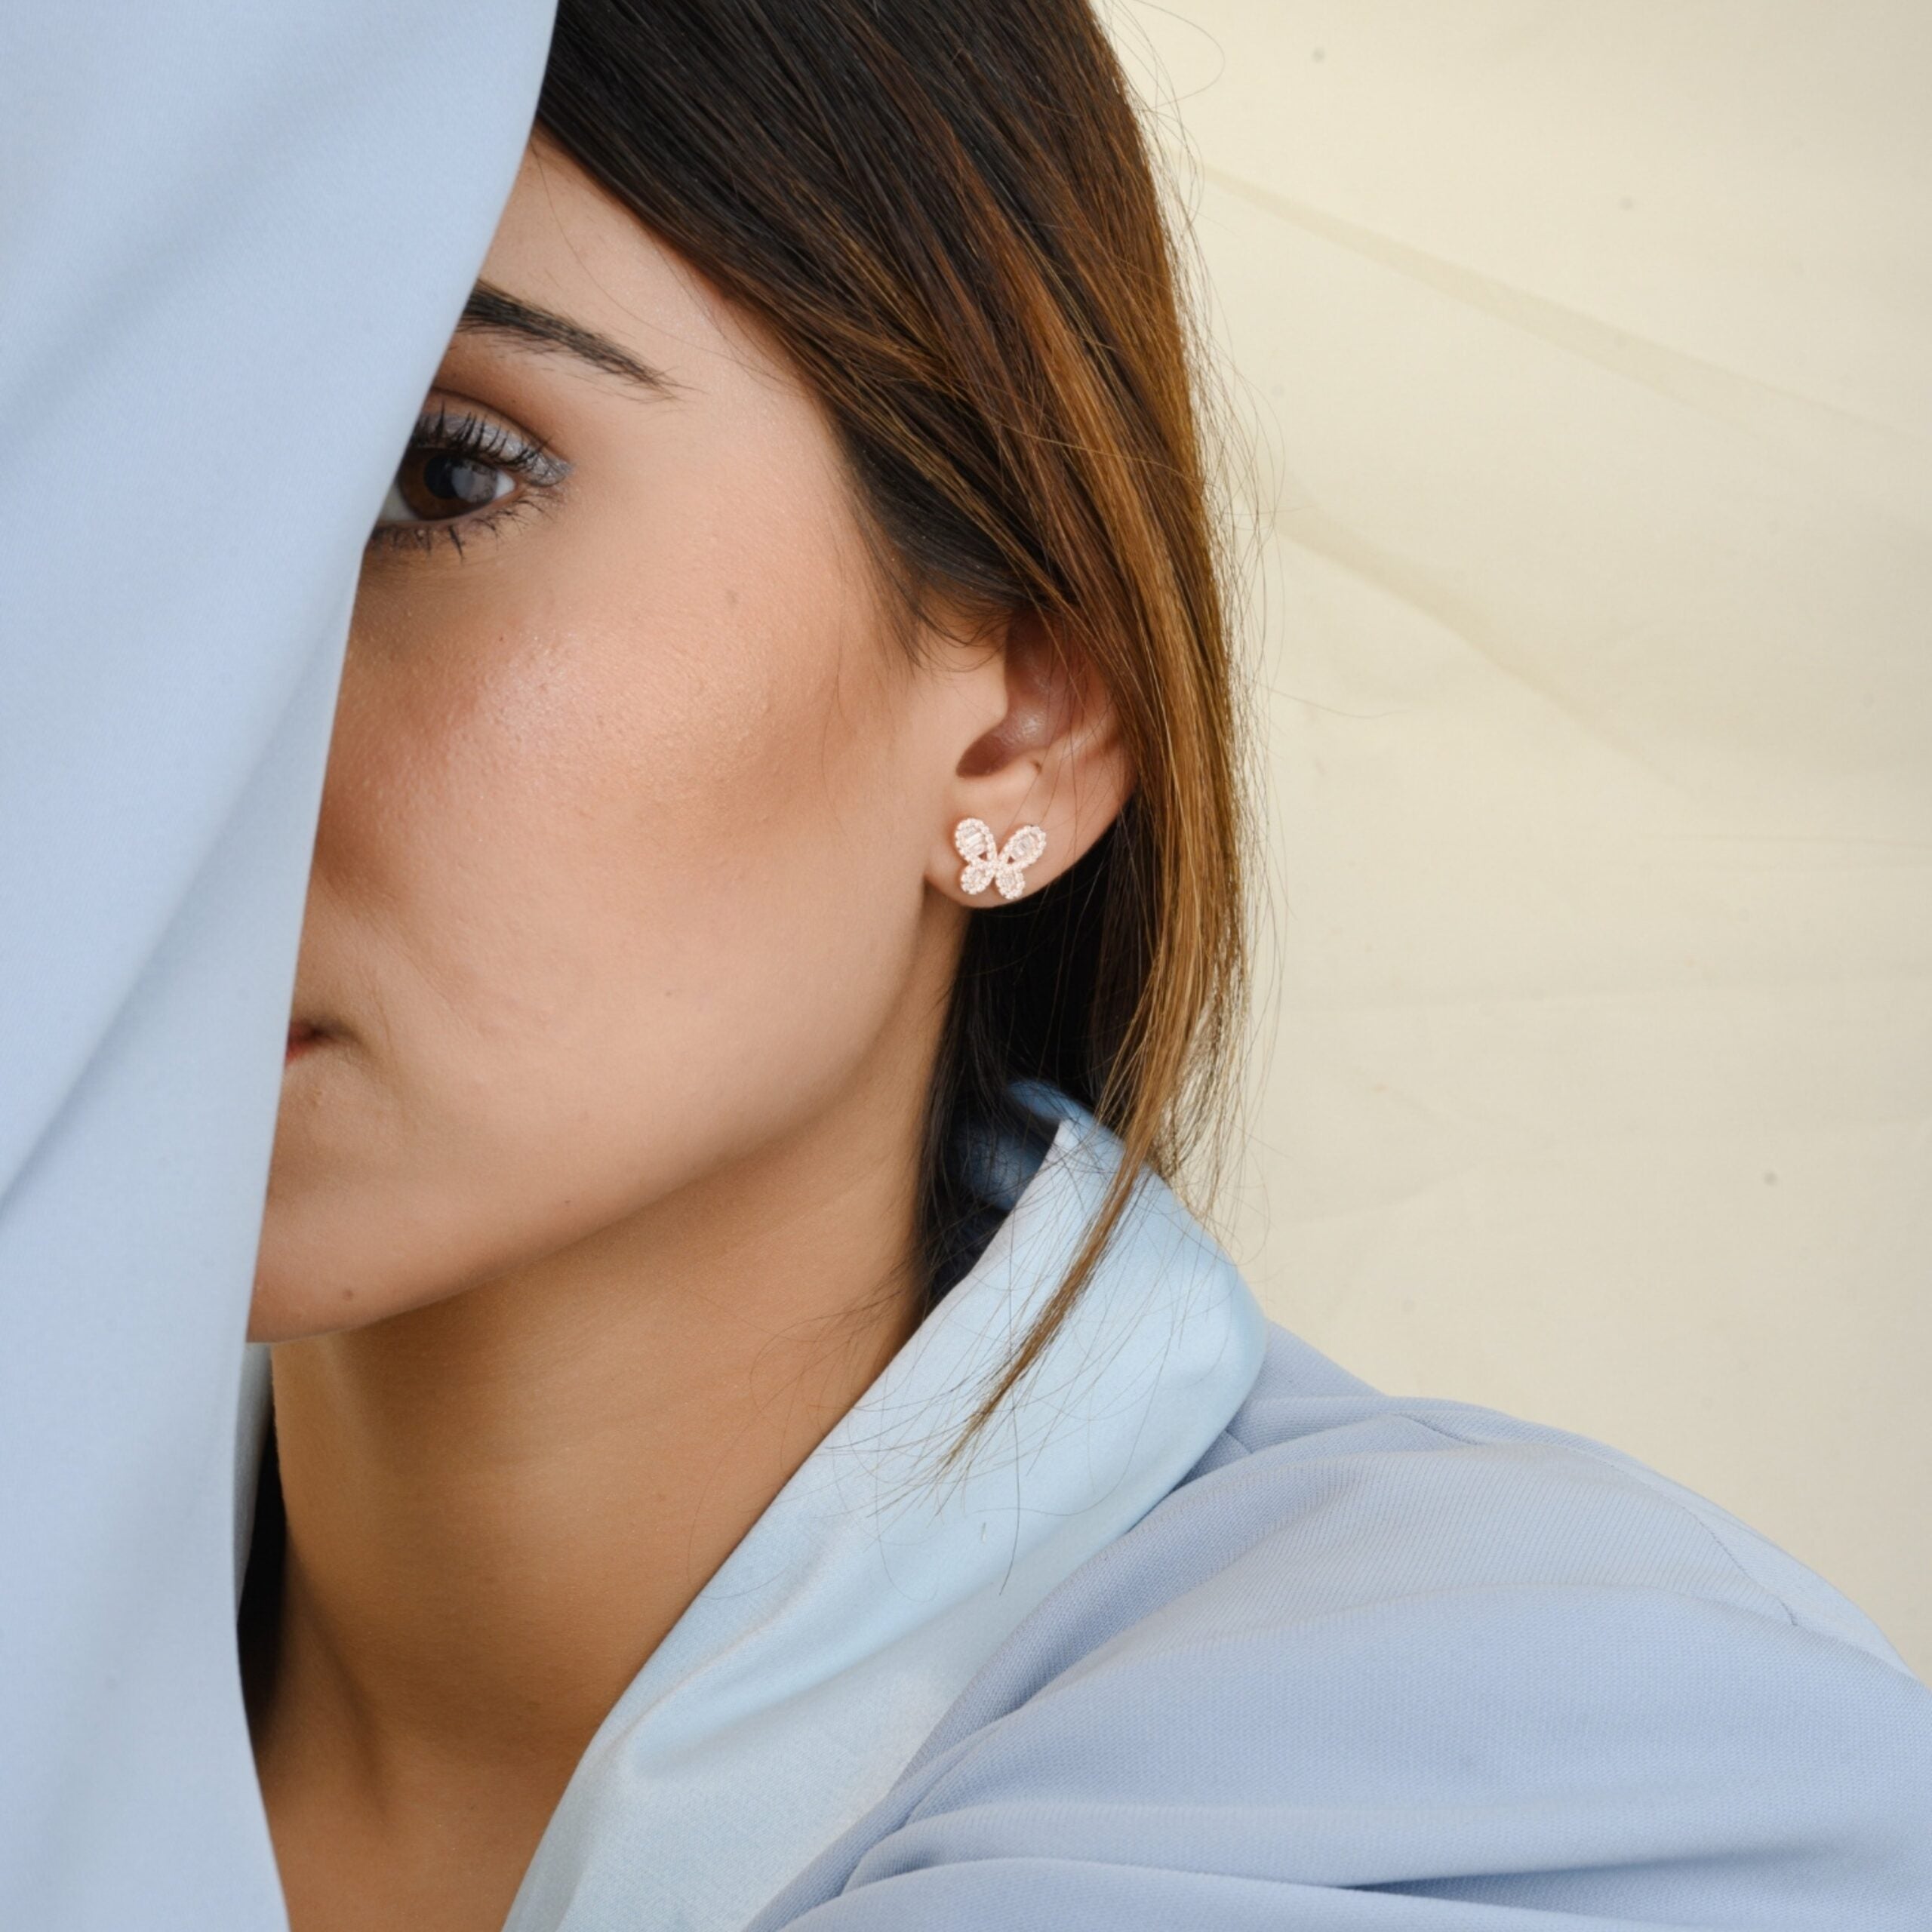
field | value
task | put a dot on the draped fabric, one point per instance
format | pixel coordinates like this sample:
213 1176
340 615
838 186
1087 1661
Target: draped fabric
233 239
1390 1665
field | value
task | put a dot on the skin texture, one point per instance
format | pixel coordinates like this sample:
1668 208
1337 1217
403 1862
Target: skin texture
633 919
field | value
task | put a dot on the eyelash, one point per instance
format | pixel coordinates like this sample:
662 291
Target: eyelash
476 437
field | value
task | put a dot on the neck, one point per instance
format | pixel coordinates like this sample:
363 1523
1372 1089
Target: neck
498 1505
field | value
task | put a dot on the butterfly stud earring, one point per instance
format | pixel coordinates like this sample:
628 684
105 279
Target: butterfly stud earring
989 863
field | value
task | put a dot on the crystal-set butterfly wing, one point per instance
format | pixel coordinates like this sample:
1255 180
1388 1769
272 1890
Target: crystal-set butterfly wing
989 863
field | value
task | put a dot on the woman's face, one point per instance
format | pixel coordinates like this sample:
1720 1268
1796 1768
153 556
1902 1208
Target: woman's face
634 841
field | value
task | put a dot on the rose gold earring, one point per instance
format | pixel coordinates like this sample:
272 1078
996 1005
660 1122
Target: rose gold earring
990 863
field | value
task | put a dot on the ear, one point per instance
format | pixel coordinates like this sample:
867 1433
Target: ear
1054 759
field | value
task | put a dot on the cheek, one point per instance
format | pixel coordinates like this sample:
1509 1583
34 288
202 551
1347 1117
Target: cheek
688 835
624 882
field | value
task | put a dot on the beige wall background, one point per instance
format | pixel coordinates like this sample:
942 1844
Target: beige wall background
1581 349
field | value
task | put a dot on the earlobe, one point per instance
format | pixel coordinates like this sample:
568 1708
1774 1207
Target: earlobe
1040 785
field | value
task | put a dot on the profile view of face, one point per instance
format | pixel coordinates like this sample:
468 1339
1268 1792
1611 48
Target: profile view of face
634 851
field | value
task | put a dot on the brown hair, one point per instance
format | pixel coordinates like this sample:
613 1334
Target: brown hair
944 211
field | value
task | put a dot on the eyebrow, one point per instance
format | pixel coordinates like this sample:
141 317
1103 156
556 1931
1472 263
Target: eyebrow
492 311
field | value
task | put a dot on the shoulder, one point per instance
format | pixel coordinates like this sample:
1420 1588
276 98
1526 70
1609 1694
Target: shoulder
1411 1494
1432 1652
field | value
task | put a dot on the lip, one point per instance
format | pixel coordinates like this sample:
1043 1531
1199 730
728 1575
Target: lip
303 1037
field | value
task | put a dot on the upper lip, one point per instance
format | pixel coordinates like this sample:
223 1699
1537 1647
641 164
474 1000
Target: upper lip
302 1029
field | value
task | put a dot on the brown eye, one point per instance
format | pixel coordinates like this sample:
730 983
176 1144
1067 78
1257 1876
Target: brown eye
463 474
432 485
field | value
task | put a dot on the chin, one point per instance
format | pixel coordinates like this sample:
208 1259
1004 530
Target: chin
303 1289
275 1315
